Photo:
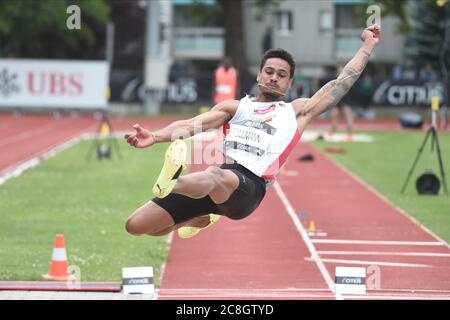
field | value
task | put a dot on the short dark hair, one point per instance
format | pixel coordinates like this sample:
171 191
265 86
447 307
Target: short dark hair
282 54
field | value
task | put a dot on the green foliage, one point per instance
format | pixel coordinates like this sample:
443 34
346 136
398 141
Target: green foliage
397 8
202 13
30 28
265 6
424 23
426 38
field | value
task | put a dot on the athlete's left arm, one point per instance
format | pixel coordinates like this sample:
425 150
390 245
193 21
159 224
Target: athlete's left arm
330 94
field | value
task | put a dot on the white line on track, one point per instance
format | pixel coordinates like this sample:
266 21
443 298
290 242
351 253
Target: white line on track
312 250
379 195
319 293
17 170
379 263
237 290
307 296
400 297
163 267
375 242
385 253
7 123
252 293
29 134
407 291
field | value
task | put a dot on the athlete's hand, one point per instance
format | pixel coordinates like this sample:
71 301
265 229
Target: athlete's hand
371 34
141 139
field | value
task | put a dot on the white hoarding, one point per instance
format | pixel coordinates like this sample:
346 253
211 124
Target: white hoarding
53 83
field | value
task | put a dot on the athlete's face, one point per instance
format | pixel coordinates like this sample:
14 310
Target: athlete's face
275 75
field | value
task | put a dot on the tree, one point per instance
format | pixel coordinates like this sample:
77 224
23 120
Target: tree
397 8
37 29
129 39
231 16
232 22
424 27
426 39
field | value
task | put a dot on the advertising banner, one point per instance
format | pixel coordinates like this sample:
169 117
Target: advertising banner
54 83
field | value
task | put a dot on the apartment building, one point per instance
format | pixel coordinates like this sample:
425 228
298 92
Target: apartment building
319 34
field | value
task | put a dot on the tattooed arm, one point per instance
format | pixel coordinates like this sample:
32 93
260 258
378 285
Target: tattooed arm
220 114
330 94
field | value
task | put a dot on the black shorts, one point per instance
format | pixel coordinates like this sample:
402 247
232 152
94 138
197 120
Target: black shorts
343 103
242 202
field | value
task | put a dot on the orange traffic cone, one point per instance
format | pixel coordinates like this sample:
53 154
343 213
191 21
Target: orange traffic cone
59 265
311 227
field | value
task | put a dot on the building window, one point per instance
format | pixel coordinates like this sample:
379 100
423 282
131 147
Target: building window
348 28
284 22
347 17
325 21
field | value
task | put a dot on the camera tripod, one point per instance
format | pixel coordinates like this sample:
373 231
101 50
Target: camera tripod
104 140
434 142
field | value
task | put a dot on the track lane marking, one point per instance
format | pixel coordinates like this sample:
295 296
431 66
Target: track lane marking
378 194
377 242
309 244
379 263
25 135
385 253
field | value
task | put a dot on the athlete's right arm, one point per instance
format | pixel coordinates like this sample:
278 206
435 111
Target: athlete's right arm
220 114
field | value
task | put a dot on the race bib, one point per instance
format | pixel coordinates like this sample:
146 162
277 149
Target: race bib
250 136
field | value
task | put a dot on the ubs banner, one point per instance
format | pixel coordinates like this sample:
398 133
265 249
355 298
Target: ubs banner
53 83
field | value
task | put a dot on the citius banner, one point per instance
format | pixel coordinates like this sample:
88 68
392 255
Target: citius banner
53 83
407 92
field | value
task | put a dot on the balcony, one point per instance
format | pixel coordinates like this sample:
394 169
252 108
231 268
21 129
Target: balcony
198 43
347 42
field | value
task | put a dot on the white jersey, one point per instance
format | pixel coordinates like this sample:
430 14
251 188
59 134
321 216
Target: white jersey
261 135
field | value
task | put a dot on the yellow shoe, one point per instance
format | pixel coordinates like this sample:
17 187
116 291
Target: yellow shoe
188 232
174 163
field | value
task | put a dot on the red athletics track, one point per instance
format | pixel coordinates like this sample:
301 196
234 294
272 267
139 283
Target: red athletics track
363 229
265 256
255 258
29 136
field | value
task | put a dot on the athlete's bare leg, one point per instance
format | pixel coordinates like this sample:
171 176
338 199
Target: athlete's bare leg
334 120
199 222
149 219
348 119
153 220
219 184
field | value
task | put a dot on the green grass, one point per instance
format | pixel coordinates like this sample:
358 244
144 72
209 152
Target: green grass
385 164
87 201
